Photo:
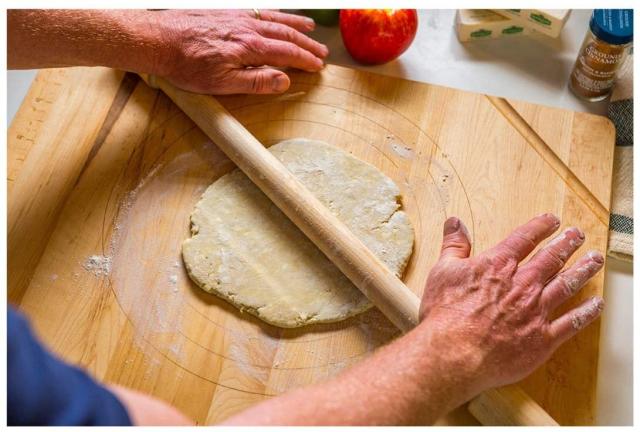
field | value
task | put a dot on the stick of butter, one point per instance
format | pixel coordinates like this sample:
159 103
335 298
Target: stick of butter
473 24
546 21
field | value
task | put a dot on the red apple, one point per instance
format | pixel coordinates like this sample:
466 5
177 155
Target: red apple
375 36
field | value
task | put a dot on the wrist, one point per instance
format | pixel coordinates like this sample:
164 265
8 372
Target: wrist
160 40
161 35
144 49
451 366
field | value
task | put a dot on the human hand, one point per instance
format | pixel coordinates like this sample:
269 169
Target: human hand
223 51
490 320
145 410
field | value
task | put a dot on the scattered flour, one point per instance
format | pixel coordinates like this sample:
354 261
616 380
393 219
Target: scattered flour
243 358
99 265
443 180
586 314
173 280
399 148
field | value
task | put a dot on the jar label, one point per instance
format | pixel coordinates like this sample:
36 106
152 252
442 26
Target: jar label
595 69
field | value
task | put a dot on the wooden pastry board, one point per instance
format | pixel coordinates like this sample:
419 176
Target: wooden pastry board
100 164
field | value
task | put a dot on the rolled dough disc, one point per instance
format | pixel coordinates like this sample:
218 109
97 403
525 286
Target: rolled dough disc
246 251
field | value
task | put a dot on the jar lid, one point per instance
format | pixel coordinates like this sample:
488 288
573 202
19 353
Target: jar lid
614 26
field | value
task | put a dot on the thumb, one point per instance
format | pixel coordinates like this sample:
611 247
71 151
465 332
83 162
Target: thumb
455 240
258 81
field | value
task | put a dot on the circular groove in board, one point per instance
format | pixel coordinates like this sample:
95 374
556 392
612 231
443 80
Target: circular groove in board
209 338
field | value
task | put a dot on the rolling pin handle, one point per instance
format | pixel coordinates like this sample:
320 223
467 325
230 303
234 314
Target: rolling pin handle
150 80
508 406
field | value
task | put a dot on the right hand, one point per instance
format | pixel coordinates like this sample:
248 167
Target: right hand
224 51
491 320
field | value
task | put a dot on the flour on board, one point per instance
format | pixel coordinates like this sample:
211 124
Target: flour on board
99 265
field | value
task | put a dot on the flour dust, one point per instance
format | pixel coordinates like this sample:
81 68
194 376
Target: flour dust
99 265
399 148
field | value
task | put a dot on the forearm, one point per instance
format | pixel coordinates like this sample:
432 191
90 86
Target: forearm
401 384
121 39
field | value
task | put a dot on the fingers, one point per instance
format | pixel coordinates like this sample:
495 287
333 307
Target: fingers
281 54
526 237
455 240
576 319
256 80
298 22
566 284
551 259
283 32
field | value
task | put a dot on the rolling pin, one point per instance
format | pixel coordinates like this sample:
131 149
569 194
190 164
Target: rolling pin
505 406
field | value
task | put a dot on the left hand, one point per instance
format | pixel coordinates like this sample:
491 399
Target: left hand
226 51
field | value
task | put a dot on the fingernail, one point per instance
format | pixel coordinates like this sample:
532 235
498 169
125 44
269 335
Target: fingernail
310 23
596 256
579 234
597 305
451 225
554 218
325 50
280 83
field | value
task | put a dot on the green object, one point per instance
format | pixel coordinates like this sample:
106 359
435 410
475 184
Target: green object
480 33
513 30
541 19
325 17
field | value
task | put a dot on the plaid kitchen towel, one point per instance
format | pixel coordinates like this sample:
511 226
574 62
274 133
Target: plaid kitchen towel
621 218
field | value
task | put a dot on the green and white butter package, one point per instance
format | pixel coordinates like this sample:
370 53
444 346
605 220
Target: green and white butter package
546 21
475 24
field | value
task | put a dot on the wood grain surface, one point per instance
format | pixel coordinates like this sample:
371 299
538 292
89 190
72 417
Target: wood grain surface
102 165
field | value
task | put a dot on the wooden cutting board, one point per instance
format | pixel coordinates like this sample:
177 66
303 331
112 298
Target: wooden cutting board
103 173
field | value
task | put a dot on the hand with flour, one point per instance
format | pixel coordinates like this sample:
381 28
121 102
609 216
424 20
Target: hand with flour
492 317
486 321
204 51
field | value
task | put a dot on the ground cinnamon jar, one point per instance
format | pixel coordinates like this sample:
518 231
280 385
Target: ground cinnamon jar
603 51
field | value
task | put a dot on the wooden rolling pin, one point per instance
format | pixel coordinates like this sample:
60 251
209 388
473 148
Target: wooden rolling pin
385 290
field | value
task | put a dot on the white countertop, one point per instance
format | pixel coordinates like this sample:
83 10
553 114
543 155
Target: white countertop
533 69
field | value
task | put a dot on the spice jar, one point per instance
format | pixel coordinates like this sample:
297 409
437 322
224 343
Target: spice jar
603 51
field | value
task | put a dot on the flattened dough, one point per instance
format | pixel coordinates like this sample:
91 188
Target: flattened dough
245 250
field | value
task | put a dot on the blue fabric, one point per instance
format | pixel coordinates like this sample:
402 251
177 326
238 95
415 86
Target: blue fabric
43 390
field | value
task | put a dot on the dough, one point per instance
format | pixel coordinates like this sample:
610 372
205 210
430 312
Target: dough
246 251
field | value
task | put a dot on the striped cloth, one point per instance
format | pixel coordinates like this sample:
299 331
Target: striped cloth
621 218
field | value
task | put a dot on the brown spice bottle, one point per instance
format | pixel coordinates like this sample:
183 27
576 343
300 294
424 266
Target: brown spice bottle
603 51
